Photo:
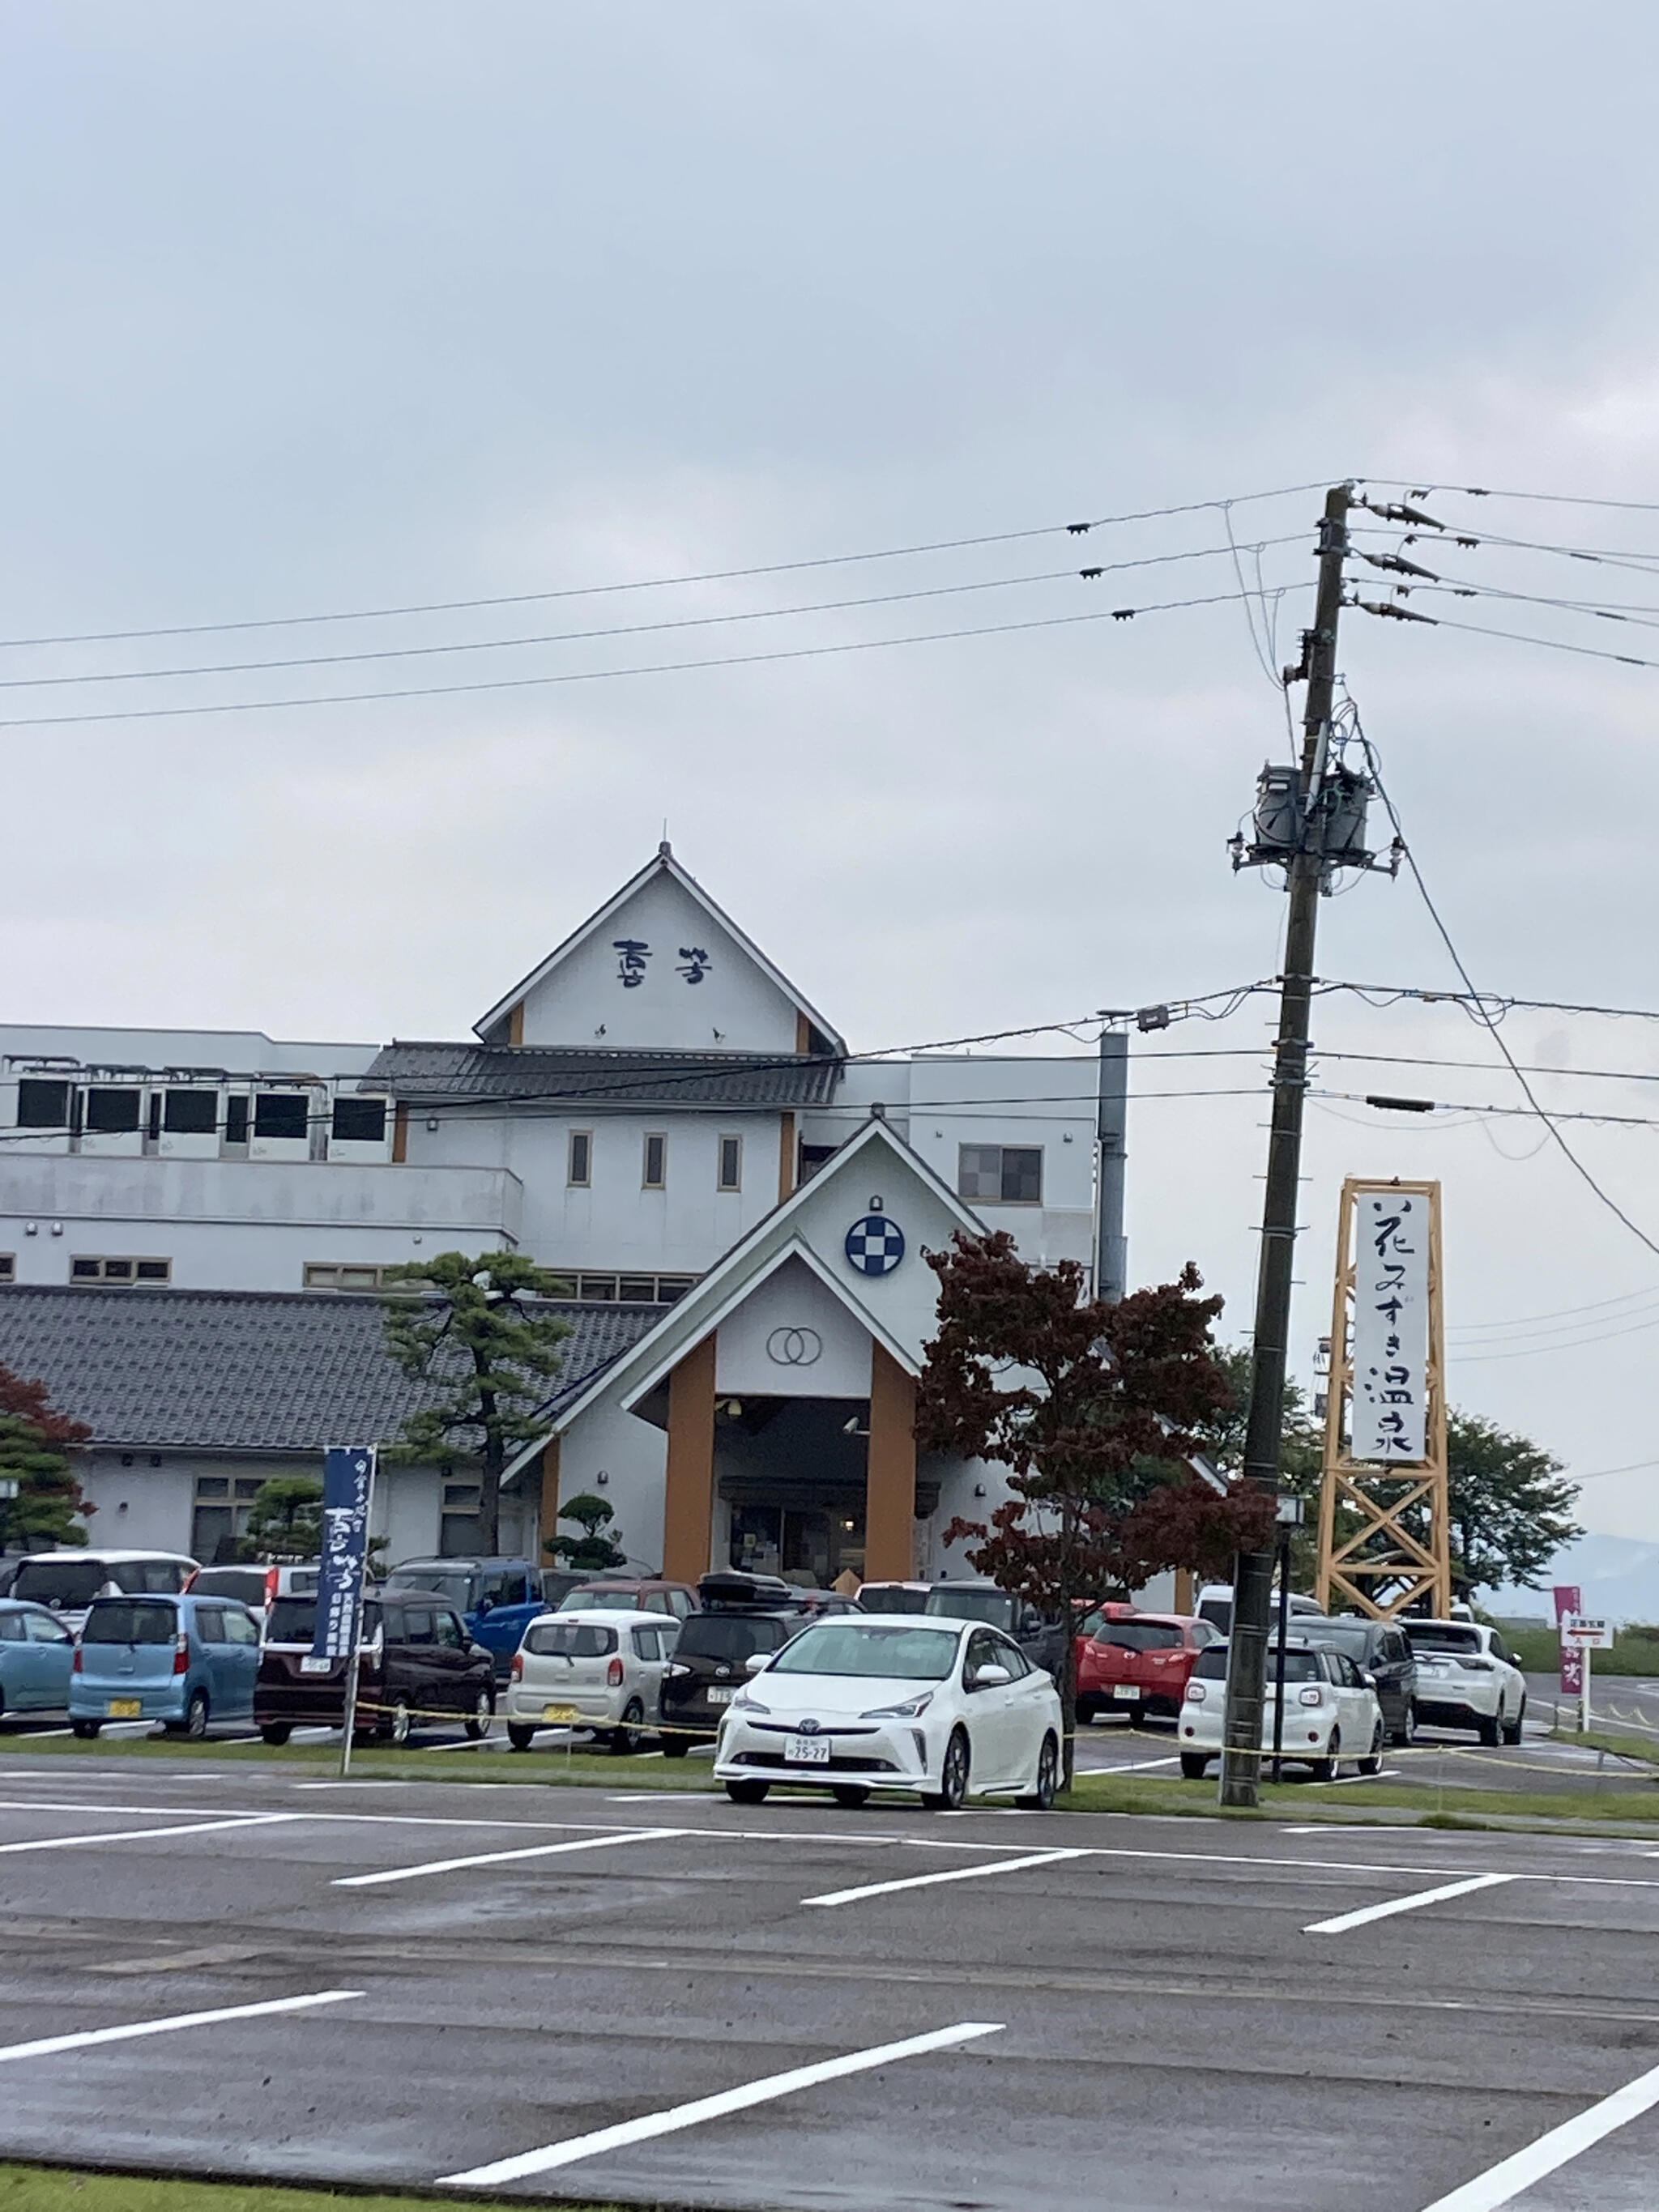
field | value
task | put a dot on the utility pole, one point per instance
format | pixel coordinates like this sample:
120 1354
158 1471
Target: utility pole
1253 1574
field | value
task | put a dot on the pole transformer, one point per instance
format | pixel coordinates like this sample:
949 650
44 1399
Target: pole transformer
1306 867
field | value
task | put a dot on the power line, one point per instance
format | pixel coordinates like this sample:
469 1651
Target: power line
665 583
604 675
1419 490
624 630
1476 1003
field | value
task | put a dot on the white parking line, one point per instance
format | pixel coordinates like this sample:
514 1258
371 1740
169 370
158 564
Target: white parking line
500 1858
950 1873
45 2045
1502 2184
1347 1920
713 2108
1342 1781
140 1835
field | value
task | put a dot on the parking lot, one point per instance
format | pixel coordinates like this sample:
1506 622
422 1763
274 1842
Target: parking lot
663 1998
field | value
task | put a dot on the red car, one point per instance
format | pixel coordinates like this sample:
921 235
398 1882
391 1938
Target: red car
1137 1662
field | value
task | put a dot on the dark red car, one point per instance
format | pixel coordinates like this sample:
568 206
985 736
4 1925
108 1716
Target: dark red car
1137 1662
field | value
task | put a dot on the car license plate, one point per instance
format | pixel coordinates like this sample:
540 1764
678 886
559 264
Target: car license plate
126 1709
566 1713
312 1665
807 1750
721 1696
1127 1692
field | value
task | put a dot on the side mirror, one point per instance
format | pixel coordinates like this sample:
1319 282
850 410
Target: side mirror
1369 1681
485 1605
756 1662
988 1678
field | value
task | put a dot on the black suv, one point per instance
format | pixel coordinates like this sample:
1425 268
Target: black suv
418 1665
1377 1648
741 1614
1038 1637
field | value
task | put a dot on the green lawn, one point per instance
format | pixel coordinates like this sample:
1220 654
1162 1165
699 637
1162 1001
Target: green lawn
47 2189
1539 1652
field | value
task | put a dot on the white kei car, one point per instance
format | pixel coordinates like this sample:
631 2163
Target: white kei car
1466 1679
1330 1711
894 1702
600 1669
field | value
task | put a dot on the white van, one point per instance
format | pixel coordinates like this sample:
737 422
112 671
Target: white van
1215 1605
68 1580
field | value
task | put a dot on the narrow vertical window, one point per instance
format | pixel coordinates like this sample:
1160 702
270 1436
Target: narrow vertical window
731 1168
655 1176
581 1173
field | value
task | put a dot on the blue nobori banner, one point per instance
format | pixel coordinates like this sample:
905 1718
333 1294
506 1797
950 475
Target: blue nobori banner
348 1484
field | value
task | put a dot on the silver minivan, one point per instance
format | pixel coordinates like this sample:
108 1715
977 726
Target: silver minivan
69 1581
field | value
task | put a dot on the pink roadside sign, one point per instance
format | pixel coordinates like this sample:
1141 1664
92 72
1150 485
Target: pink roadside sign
1569 1599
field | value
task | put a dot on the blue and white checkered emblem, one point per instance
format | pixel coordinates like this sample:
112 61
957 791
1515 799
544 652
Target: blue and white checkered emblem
875 1245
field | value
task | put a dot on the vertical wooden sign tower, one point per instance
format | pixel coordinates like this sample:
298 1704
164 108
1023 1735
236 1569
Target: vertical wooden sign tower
1384 1518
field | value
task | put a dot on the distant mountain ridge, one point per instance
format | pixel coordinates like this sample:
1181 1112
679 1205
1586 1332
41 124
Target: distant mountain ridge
1616 1575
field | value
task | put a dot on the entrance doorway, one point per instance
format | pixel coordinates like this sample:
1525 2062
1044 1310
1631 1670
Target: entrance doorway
811 1543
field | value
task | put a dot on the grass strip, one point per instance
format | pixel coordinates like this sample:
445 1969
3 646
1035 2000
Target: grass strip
64 2189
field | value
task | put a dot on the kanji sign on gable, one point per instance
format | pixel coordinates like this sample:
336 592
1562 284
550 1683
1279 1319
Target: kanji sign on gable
1390 1327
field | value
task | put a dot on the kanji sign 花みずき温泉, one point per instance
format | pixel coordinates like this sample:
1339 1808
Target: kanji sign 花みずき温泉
1390 1417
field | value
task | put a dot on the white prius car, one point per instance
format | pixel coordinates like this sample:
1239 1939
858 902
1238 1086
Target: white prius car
1466 1679
894 1702
599 1670
1330 1711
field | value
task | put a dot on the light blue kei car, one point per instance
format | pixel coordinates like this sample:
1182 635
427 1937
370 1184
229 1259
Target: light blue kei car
183 1660
36 1651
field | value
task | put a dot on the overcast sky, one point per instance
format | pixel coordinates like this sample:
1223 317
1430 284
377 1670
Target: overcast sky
311 310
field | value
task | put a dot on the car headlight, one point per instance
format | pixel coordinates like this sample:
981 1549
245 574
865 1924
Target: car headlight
746 1701
909 1709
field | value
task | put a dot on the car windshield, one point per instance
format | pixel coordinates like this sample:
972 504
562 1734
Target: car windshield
72 1581
294 1620
1434 1636
573 1639
892 1597
1299 1666
729 1636
1351 1640
599 1600
455 1589
247 1583
994 1605
123 1620
1139 1635
888 1649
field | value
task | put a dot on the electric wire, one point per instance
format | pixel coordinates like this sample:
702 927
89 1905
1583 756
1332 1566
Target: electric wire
665 583
621 629
605 675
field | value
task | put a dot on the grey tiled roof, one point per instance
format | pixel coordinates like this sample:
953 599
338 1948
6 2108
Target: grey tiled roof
542 1074
246 1370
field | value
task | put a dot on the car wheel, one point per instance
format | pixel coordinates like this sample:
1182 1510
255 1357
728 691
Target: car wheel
675 1747
397 1727
1406 1734
1324 1770
747 1793
86 1729
1041 1798
276 1732
1193 1766
195 1722
625 1740
1372 1762
850 1794
953 1776
1086 1710
1512 1730
521 1735
484 1715
1491 1731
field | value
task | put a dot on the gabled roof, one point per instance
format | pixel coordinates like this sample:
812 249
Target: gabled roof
747 1264
594 1077
244 1370
664 864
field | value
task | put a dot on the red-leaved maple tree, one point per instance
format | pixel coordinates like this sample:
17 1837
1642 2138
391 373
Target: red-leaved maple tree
1093 1407
49 1505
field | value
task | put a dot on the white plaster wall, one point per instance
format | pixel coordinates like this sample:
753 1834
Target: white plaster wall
793 1298
583 1001
143 1508
635 1457
406 1511
229 1225
613 1222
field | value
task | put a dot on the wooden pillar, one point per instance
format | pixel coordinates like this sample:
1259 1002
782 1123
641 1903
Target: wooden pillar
550 1509
1183 1589
890 1490
688 1526
399 1134
786 1157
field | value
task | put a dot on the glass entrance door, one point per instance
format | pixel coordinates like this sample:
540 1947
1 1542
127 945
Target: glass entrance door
810 1545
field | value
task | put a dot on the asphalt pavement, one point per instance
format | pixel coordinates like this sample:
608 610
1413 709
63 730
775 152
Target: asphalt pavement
667 1998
